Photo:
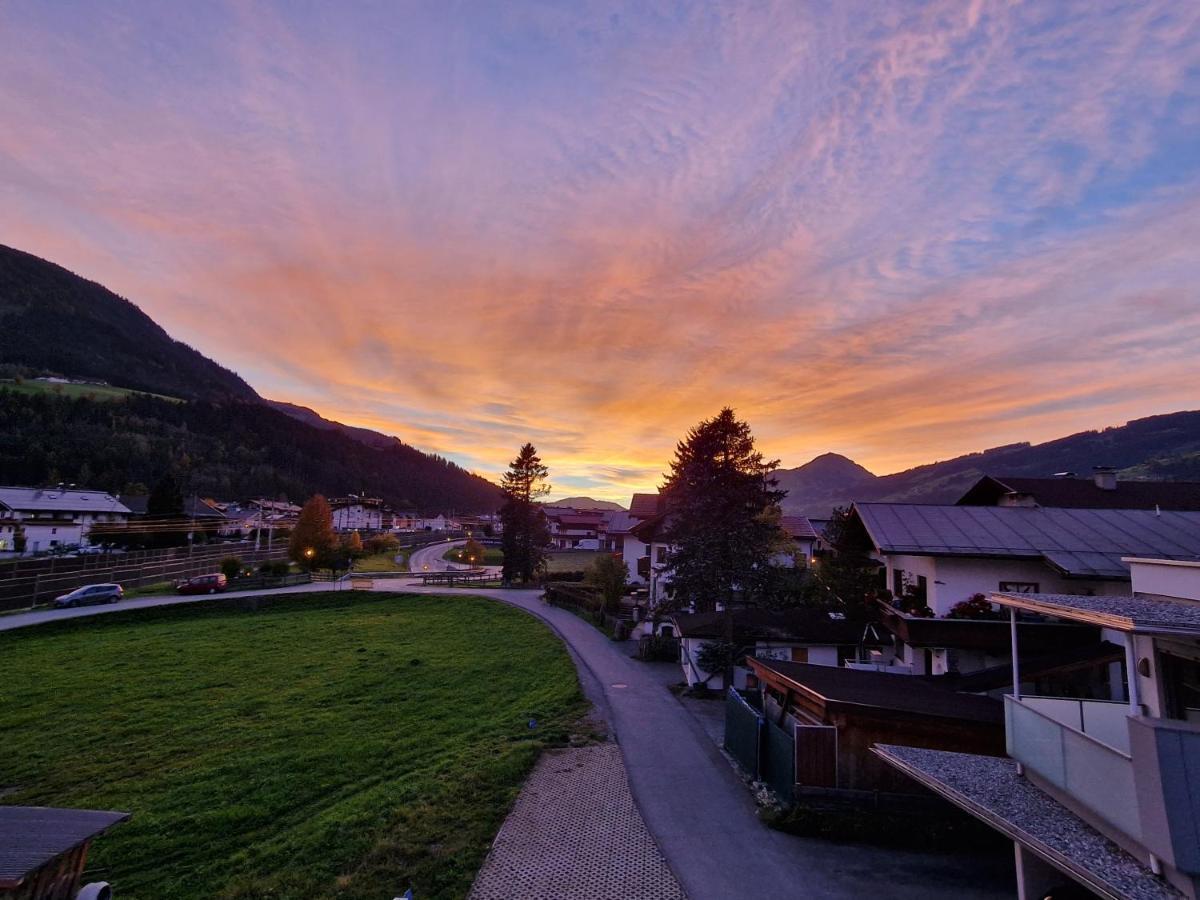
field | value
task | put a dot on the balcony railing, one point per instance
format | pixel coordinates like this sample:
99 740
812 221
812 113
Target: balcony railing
889 668
1070 744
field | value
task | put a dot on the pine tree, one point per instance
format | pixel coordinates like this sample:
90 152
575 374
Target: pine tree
525 534
312 543
721 521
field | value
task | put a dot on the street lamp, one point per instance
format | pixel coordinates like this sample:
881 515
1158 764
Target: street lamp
309 553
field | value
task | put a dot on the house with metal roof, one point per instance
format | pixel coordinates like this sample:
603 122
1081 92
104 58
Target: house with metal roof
53 518
934 557
1104 794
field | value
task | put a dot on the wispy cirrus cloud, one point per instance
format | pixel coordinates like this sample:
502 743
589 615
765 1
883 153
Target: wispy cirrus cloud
898 231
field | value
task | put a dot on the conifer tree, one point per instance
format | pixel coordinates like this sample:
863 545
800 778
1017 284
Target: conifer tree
525 535
721 517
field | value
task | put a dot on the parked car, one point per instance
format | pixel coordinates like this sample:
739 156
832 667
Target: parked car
89 594
204 584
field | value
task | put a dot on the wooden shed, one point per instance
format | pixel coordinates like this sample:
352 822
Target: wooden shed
43 850
839 714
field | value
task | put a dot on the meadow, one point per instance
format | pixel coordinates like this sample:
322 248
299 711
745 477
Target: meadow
318 745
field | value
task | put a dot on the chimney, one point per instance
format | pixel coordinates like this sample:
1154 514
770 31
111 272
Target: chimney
1105 477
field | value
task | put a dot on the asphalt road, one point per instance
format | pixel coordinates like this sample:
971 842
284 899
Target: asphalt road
694 804
429 559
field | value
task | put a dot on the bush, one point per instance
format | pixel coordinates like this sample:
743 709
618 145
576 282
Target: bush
978 607
231 567
658 648
276 568
620 630
383 543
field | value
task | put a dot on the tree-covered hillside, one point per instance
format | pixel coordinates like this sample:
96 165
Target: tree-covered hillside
228 450
54 322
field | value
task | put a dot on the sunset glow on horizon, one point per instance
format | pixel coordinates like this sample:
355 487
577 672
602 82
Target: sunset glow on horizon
900 232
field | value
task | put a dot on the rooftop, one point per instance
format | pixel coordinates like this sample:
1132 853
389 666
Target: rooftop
884 691
798 527
31 836
797 626
1083 493
989 788
1084 543
27 499
644 506
1145 613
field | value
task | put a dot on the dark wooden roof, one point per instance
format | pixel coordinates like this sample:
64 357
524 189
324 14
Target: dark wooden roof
645 506
1082 493
31 836
911 694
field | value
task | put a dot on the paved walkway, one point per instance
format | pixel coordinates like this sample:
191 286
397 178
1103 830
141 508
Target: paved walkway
576 834
697 809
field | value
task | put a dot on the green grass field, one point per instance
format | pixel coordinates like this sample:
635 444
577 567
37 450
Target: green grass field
383 562
492 556
323 745
572 560
93 391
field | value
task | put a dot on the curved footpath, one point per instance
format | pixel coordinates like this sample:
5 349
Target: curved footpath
693 803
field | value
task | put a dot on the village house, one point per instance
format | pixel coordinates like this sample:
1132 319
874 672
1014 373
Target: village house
646 549
934 558
355 513
54 518
574 529
1105 794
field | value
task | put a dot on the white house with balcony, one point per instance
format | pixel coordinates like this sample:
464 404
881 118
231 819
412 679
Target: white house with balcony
54 518
356 513
1105 794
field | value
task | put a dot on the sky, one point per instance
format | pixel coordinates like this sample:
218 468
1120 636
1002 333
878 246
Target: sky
898 231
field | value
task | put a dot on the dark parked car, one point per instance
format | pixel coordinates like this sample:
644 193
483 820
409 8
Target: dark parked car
204 584
89 594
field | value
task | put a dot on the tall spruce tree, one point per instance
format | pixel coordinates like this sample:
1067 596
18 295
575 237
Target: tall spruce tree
525 535
721 517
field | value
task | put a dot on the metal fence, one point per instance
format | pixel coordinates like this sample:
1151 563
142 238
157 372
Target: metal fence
25 586
779 761
765 750
743 731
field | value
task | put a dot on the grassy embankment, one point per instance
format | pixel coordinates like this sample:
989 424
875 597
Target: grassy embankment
325 745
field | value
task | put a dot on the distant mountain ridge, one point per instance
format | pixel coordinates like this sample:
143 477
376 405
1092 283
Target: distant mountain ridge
376 439
585 503
52 321
226 440
1164 447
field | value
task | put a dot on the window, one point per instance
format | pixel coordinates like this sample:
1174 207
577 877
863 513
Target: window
897 582
1018 587
661 555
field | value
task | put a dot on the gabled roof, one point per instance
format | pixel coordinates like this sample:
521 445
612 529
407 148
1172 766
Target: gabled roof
193 507
645 506
26 499
801 626
619 522
1082 493
1084 543
843 687
798 527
